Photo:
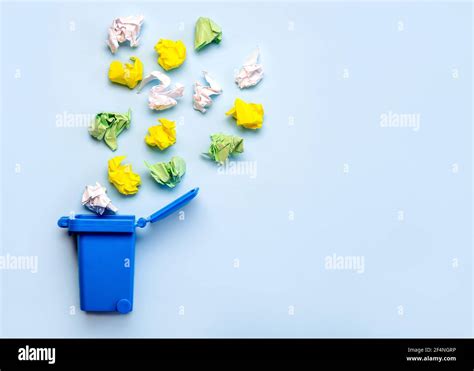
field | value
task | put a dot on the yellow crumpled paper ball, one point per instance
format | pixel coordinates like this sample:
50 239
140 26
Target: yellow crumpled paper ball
248 115
171 53
126 74
162 136
122 176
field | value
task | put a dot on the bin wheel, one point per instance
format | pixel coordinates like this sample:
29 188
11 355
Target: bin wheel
124 306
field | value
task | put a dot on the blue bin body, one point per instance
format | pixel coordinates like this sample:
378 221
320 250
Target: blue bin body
106 261
106 255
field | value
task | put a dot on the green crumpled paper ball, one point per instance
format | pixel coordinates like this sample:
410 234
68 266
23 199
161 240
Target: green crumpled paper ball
206 32
223 145
168 173
107 126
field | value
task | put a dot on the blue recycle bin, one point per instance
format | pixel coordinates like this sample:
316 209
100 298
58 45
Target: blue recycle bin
106 255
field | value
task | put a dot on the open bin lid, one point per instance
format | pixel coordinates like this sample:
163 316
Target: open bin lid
168 209
122 223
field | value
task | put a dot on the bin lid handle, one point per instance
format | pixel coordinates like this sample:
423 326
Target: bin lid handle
168 209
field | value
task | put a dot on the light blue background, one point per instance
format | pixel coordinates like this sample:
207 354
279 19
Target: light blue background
305 49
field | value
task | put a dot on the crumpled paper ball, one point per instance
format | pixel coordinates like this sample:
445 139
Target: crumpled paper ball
206 31
122 176
124 29
248 115
168 173
172 54
223 145
127 74
162 136
95 199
